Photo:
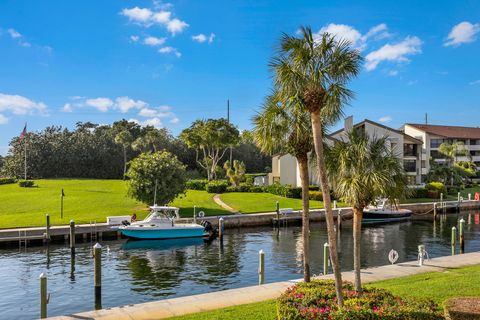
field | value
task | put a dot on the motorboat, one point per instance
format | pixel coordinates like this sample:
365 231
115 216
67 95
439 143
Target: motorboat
383 211
160 224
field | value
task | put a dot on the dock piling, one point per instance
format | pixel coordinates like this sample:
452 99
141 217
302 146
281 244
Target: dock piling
194 214
97 274
326 254
462 239
261 267
454 239
278 213
43 296
47 228
221 227
72 237
434 211
339 220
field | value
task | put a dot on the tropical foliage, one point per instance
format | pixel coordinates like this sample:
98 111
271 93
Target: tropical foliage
235 173
160 170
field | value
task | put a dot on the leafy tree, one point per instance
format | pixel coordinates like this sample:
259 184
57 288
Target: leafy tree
314 71
125 139
250 154
162 167
286 129
236 172
363 170
212 138
452 151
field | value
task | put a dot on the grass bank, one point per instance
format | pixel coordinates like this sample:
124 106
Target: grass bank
438 286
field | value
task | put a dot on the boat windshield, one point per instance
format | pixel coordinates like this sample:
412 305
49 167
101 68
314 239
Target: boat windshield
162 213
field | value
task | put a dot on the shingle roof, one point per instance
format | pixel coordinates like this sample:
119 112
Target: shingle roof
449 131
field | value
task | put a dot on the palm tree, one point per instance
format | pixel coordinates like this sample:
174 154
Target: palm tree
125 139
314 71
362 170
280 128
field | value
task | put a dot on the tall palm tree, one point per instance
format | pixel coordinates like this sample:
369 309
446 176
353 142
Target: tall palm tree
363 169
125 139
280 128
314 71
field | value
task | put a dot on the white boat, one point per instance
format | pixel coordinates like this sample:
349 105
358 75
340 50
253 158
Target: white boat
160 224
385 212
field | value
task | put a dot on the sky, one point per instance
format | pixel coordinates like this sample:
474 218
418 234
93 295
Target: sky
169 63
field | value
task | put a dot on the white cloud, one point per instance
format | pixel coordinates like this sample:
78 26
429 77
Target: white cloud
134 38
385 119
147 112
349 33
148 17
393 73
156 122
124 104
202 38
3 119
20 105
474 82
67 107
174 120
14 33
378 32
397 52
464 32
153 41
102 104
137 14
167 50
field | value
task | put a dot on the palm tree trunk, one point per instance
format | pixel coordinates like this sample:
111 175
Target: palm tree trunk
303 165
357 233
322 174
124 162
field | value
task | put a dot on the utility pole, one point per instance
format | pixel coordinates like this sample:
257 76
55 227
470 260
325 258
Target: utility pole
228 119
426 118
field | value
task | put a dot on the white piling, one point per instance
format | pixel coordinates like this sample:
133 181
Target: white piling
261 267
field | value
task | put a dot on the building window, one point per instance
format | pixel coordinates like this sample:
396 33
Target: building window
475 153
410 150
474 142
436 155
435 143
410 165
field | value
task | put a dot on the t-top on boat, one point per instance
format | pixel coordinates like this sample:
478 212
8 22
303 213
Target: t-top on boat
160 224
385 212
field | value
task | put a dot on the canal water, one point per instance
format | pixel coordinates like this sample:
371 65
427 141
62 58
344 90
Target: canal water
141 271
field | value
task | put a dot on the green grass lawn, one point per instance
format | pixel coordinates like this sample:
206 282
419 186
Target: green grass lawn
437 286
201 199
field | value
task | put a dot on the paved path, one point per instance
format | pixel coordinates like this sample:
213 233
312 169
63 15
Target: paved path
222 204
215 300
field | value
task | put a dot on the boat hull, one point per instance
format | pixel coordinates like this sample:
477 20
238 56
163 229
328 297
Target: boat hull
173 233
381 216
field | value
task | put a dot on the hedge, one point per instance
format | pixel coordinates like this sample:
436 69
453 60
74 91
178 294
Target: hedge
196 184
436 187
7 180
315 195
26 183
216 187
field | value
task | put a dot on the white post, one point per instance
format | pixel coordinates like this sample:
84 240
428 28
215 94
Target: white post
421 254
261 267
334 204
469 197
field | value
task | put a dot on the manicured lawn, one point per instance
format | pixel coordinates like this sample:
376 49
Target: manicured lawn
262 202
437 286
85 201
201 199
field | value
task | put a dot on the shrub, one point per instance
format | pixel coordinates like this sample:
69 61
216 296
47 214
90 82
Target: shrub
419 193
315 195
276 189
196 184
293 192
316 300
26 183
453 190
436 186
257 189
216 186
7 180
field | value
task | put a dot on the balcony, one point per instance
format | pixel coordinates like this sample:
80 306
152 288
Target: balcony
410 166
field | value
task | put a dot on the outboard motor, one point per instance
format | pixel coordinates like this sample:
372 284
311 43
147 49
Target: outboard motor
212 233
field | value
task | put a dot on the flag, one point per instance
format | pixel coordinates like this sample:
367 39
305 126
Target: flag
24 132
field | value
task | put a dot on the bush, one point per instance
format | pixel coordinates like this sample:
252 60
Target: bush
276 189
293 192
419 193
315 195
26 183
216 186
453 190
436 186
7 180
196 184
316 300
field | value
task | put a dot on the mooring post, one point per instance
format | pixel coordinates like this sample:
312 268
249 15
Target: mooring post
421 254
43 296
72 237
454 239
221 227
97 274
339 220
458 196
47 228
469 197
277 206
326 254
434 211
261 267
195 214
462 239
334 204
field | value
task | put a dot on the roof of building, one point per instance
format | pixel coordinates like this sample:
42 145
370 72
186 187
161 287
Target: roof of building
381 126
448 131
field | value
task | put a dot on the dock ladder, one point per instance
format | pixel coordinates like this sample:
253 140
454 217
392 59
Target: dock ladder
93 230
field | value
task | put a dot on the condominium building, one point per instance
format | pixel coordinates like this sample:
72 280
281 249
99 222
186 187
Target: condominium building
432 136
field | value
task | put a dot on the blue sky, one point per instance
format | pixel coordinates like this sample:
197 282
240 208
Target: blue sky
168 64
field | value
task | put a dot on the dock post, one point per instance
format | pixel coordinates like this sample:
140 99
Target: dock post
43 296
261 267
469 197
72 237
277 206
454 239
462 239
339 220
421 254
221 227
434 211
334 204
97 274
47 228
458 197
326 255
195 214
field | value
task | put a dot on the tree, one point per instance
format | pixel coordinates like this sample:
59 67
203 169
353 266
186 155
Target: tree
314 71
212 137
125 139
162 167
362 170
286 129
236 172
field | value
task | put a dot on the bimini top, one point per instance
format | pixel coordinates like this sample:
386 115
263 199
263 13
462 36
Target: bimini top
166 208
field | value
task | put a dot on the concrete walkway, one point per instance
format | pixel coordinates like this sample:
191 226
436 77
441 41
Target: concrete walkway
222 204
227 298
